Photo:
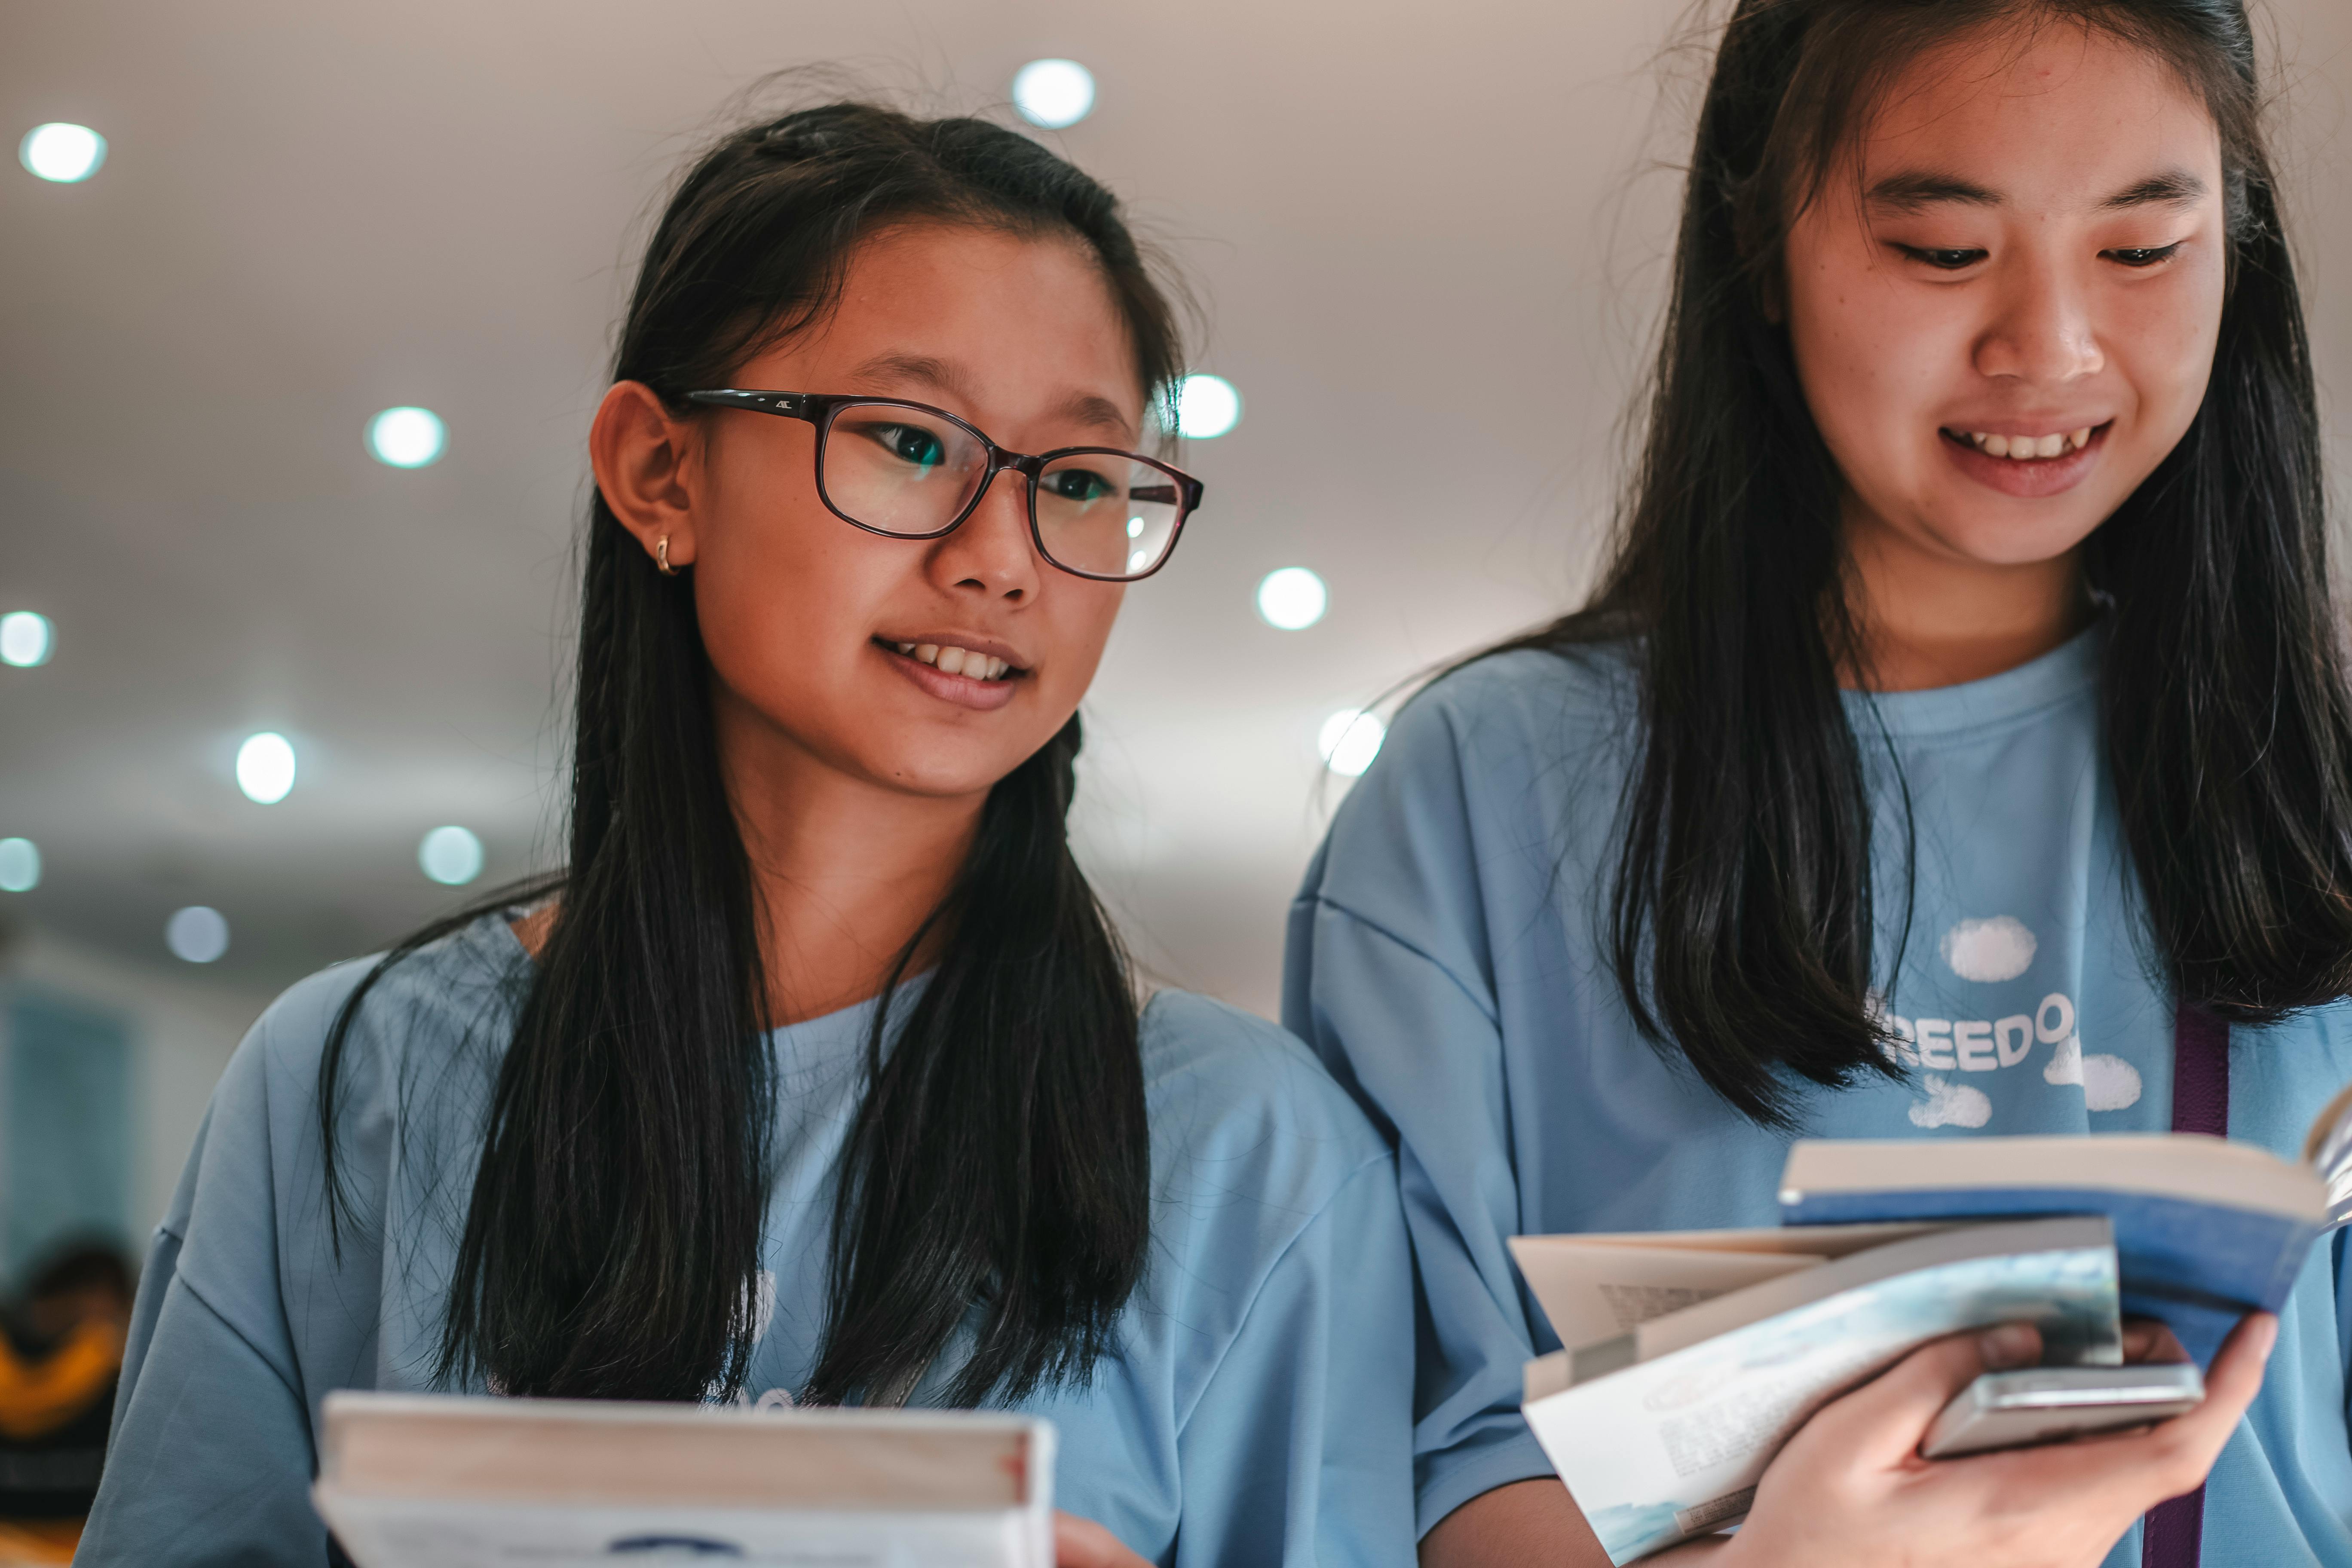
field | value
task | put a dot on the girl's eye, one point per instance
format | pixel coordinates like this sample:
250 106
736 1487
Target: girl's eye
908 444
2143 257
1943 257
1076 484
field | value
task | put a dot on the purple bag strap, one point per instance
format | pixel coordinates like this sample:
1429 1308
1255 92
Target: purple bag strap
2173 1533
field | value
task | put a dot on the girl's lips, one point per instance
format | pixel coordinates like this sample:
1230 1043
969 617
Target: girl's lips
2032 479
981 696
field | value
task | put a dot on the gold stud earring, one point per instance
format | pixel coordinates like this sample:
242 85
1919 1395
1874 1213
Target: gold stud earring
661 556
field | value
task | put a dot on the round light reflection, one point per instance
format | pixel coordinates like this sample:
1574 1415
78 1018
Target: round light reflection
196 934
62 153
450 856
1349 739
1292 598
1206 407
20 866
265 767
407 437
25 638
1054 93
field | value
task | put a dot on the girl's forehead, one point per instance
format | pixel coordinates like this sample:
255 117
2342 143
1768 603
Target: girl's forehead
2051 93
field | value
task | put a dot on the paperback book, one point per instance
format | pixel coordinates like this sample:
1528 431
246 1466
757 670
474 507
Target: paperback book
1662 1429
445 1481
1692 1356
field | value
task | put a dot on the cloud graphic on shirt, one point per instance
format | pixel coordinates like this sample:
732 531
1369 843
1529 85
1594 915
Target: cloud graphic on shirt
1996 949
1950 1104
2065 1062
2109 1083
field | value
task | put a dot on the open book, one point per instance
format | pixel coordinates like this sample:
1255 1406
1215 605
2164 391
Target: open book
2206 1230
1692 1356
447 1481
1662 1428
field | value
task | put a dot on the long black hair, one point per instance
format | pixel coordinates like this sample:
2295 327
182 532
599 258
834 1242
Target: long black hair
998 1175
1739 913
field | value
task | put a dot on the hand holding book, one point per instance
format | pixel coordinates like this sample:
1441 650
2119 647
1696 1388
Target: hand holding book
1693 1357
1850 1487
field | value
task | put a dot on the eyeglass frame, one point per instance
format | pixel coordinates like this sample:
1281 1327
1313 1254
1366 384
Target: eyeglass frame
819 408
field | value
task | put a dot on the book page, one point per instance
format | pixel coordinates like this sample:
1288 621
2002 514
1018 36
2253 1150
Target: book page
1596 1286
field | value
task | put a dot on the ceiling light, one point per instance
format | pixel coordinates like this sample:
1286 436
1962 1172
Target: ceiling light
24 639
62 153
1349 739
1054 93
1207 407
265 767
450 856
407 437
196 934
20 866
1292 598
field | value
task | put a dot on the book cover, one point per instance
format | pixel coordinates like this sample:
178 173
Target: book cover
2206 1230
408 1480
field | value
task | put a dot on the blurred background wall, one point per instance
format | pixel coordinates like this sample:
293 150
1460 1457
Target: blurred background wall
1428 240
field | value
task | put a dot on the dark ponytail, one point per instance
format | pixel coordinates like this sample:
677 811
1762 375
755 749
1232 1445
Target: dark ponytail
1740 910
999 1170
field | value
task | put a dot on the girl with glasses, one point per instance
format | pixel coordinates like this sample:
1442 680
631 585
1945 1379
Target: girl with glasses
818 1074
1958 744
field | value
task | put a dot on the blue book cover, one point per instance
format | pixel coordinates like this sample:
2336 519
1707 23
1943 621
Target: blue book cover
2206 1230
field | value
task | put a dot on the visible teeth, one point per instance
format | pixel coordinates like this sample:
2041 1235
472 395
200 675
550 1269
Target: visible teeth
957 660
2025 449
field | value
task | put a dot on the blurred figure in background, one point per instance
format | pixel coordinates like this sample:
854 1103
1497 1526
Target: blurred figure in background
59 1361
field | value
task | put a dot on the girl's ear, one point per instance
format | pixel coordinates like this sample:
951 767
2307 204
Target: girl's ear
643 457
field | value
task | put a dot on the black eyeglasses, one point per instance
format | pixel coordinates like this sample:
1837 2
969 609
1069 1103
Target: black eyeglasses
911 471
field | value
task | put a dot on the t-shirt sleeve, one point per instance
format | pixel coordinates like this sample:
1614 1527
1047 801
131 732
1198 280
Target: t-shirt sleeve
1386 977
1297 1450
211 1456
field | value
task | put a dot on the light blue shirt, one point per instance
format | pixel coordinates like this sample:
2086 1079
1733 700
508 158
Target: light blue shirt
1256 1409
1443 958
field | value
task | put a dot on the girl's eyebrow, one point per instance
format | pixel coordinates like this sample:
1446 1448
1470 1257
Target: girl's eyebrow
1913 190
936 373
2173 187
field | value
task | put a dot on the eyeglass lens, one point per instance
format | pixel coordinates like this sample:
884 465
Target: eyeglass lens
903 471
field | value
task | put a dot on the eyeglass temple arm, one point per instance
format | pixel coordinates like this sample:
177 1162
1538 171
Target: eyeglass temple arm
790 405
1167 495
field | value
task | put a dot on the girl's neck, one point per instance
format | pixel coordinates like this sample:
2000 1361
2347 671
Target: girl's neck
844 870
1929 618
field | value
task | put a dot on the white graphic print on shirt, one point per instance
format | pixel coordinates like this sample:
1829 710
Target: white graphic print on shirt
1990 951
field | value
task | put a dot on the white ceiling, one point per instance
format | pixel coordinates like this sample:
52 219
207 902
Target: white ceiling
1425 239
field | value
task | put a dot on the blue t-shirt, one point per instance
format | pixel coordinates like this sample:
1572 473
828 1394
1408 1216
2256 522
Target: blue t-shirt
1447 957
1256 1409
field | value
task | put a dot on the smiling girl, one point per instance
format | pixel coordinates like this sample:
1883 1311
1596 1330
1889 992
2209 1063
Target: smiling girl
1959 731
817 1076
